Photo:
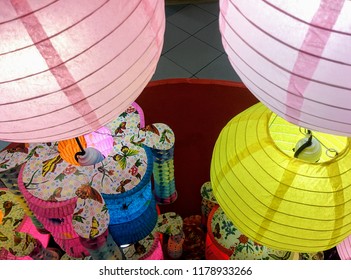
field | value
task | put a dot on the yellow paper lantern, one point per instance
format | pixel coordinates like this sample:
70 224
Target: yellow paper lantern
276 199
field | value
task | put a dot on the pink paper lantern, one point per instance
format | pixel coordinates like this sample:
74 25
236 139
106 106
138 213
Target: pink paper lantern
69 67
344 249
294 57
101 140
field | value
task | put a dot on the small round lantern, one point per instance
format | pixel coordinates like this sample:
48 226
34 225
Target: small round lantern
69 67
88 149
292 56
68 149
170 224
274 198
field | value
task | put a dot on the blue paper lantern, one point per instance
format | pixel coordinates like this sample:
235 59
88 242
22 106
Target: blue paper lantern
133 213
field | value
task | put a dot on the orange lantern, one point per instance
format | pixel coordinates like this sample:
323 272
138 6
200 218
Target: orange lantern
69 149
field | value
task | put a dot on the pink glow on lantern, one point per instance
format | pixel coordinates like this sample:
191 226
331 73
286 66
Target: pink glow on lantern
344 249
27 226
101 140
292 56
69 67
156 251
6 255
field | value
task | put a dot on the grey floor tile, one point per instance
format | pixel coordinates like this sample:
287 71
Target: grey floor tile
191 19
173 36
172 9
193 54
220 69
3 144
168 69
212 7
211 35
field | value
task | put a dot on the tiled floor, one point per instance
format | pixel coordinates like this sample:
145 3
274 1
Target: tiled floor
192 44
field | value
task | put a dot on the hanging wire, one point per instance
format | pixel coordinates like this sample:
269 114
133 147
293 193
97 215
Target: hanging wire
273 120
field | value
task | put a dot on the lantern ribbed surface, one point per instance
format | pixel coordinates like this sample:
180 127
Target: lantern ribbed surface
344 249
292 56
133 213
68 149
47 209
69 67
137 229
275 199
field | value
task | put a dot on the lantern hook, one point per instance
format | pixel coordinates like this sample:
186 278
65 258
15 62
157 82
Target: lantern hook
308 143
82 152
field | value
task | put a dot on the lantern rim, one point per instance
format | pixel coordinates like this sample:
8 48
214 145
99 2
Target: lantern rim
340 154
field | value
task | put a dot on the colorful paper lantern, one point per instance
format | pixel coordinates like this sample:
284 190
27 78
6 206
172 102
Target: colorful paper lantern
344 249
292 56
160 139
88 149
101 140
69 148
18 235
69 67
208 201
149 248
230 243
69 200
103 247
195 238
175 245
275 199
9 178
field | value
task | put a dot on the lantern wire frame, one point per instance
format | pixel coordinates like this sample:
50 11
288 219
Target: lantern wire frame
329 152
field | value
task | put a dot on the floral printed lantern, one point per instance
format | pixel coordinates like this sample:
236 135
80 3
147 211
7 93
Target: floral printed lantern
225 241
13 158
18 235
160 138
208 201
292 56
70 67
274 198
91 209
170 224
69 200
149 248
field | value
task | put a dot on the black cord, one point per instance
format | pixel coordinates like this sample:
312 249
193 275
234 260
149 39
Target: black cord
82 152
308 143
